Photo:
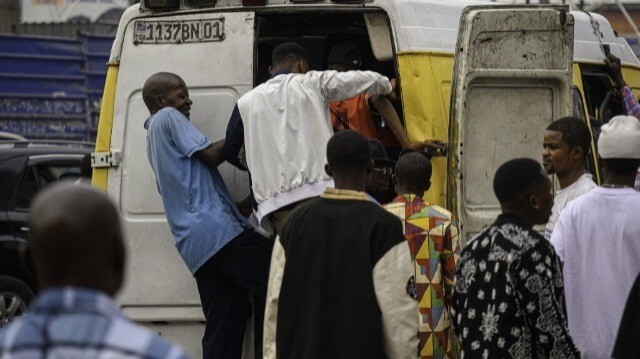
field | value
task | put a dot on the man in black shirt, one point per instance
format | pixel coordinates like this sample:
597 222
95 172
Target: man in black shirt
341 278
508 298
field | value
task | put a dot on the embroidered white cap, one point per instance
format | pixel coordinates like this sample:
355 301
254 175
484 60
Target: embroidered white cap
620 138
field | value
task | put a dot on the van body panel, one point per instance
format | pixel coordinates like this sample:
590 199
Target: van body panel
512 78
426 91
588 36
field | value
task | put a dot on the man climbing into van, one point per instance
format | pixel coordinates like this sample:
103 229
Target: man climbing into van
284 126
565 148
223 252
363 113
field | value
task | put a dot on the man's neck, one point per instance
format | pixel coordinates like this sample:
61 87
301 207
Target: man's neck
407 191
353 184
619 181
570 178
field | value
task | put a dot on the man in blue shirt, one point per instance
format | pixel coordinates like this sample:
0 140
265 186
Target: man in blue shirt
78 251
221 248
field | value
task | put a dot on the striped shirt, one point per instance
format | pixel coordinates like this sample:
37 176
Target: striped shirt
632 108
75 322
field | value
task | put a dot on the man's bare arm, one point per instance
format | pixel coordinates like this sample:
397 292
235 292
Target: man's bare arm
384 107
212 154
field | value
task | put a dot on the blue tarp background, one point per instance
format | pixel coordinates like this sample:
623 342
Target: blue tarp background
51 87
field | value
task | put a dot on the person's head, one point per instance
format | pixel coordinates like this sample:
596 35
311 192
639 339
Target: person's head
524 189
289 56
166 89
619 147
75 239
413 174
349 160
566 145
344 56
379 182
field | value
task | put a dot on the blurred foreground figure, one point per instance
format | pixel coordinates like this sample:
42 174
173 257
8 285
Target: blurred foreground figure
508 299
77 246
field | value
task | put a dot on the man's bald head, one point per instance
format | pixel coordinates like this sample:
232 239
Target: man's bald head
158 85
75 239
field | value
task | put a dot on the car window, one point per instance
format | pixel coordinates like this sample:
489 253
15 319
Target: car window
25 191
38 176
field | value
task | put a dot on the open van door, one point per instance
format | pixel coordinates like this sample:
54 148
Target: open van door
512 77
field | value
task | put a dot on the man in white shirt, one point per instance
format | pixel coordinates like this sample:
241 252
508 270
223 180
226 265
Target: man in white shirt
284 126
598 239
565 148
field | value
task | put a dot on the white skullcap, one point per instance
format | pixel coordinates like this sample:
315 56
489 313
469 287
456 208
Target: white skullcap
620 138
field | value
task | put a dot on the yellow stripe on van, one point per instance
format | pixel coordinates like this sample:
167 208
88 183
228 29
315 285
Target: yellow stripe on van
105 125
426 94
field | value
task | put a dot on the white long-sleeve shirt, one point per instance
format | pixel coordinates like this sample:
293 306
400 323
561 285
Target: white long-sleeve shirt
287 125
598 239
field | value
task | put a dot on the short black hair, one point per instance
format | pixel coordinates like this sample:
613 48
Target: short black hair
516 177
622 166
284 55
414 170
158 84
574 133
348 151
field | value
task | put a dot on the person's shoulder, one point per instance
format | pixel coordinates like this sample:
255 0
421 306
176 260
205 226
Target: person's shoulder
539 248
20 332
437 211
380 214
394 206
127 336
170 113
586 184
164 117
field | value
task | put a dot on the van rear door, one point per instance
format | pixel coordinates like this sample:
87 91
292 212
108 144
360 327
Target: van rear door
512 77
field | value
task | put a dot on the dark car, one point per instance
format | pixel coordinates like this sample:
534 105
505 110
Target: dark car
25 168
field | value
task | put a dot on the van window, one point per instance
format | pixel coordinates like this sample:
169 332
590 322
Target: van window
603 102
578 112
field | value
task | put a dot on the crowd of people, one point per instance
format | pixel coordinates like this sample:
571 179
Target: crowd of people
340 254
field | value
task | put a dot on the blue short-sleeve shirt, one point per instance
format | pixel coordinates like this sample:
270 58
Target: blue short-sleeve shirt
200 210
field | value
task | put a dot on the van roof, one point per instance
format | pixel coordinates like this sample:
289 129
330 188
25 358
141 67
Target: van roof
425 25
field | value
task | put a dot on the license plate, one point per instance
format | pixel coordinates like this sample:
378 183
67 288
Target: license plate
176 32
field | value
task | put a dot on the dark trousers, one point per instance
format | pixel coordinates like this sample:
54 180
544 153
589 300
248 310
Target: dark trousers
224 282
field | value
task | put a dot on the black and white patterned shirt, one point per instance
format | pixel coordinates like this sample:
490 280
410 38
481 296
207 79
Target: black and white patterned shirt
508 297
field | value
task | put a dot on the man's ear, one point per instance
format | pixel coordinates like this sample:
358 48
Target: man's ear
271 70
159 101
328 170
534 203
577 152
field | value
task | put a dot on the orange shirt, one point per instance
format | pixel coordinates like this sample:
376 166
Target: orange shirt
353 114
